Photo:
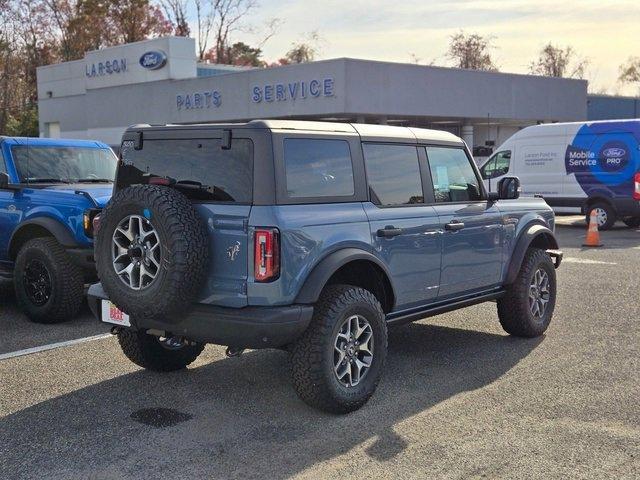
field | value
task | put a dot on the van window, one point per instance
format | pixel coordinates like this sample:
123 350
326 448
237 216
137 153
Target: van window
497 166
454 179
393 172
200 168
318 168
3 167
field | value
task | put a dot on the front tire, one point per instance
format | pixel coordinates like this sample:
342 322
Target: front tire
527 307
337 363
49 286
605 214
149 352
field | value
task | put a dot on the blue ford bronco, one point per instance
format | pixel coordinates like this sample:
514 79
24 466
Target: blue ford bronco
312 237
50 190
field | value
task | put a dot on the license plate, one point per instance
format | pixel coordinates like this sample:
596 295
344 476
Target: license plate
112 314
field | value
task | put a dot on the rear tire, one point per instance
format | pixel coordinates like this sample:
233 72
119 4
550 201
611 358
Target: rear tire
632 222
322 353
516 310
607 215
49 286
148 352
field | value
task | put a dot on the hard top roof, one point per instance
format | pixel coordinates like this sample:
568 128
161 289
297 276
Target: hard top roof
52 142
369 132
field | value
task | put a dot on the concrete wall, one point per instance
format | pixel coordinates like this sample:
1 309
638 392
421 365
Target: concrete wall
605 107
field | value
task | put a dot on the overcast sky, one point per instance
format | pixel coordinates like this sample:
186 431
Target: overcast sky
607 32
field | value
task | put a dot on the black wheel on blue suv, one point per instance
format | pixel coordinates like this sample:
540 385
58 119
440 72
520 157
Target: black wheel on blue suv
527 307
48 285
337 363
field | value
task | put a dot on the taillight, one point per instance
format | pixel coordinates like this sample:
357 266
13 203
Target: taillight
266 254
636 186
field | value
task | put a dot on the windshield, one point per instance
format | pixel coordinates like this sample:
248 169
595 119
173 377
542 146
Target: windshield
64 164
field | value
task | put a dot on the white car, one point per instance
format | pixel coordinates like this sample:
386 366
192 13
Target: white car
576 167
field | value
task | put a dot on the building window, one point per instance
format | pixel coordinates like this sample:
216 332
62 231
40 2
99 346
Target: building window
318 168
393 172
454 179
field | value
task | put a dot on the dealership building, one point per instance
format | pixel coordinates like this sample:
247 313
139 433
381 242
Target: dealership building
160 81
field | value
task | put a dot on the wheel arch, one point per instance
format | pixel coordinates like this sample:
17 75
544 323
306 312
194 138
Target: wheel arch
38 228
598 198
354 266
535 235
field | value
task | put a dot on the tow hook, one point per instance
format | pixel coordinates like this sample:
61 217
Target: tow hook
234 352
115 330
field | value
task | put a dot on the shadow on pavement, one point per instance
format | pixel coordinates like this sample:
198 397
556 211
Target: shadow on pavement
241 416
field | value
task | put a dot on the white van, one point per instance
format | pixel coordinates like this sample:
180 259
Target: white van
576 167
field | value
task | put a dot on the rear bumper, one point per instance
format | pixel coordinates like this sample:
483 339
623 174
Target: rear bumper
248 327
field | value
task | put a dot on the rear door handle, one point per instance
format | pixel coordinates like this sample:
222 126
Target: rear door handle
454 226
389 231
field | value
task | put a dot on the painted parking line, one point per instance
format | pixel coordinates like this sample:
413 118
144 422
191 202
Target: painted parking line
51 346
586 261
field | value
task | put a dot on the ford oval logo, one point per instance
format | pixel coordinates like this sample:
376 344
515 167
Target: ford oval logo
614 152
153 60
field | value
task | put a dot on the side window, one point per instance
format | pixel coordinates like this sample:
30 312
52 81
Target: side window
453 177
497 166
318 168
3 167
393 172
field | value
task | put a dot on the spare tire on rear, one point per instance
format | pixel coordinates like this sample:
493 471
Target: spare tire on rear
151 251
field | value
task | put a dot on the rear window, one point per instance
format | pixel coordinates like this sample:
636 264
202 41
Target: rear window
318 168
199 168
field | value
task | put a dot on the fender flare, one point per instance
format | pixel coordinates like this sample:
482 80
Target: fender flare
322 272
57 229
531 234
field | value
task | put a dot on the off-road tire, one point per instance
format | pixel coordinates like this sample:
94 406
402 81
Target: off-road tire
612 215
67 281
513 308
183 239
312 354
632 222
147 352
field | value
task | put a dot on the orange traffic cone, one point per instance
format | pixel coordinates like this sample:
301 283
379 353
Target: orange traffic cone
593 236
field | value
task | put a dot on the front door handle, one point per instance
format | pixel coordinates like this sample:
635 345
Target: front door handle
389 231
454 226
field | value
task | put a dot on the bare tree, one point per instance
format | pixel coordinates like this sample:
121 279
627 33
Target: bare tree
630 71
204 20
558 62
176 13
471 51
305 51
228 15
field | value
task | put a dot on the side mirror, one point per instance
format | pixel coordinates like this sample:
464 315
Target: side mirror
509 188
5 183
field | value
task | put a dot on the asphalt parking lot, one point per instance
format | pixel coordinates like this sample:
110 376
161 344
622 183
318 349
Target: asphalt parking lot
459 398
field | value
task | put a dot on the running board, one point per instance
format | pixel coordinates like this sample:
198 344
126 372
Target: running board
401 318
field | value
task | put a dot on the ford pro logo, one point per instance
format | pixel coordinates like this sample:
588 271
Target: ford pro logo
614 152
153 60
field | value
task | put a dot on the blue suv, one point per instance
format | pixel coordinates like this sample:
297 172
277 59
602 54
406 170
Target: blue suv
312 237
50 190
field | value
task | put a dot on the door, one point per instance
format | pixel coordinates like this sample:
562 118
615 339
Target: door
472 239
9 216
405 232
